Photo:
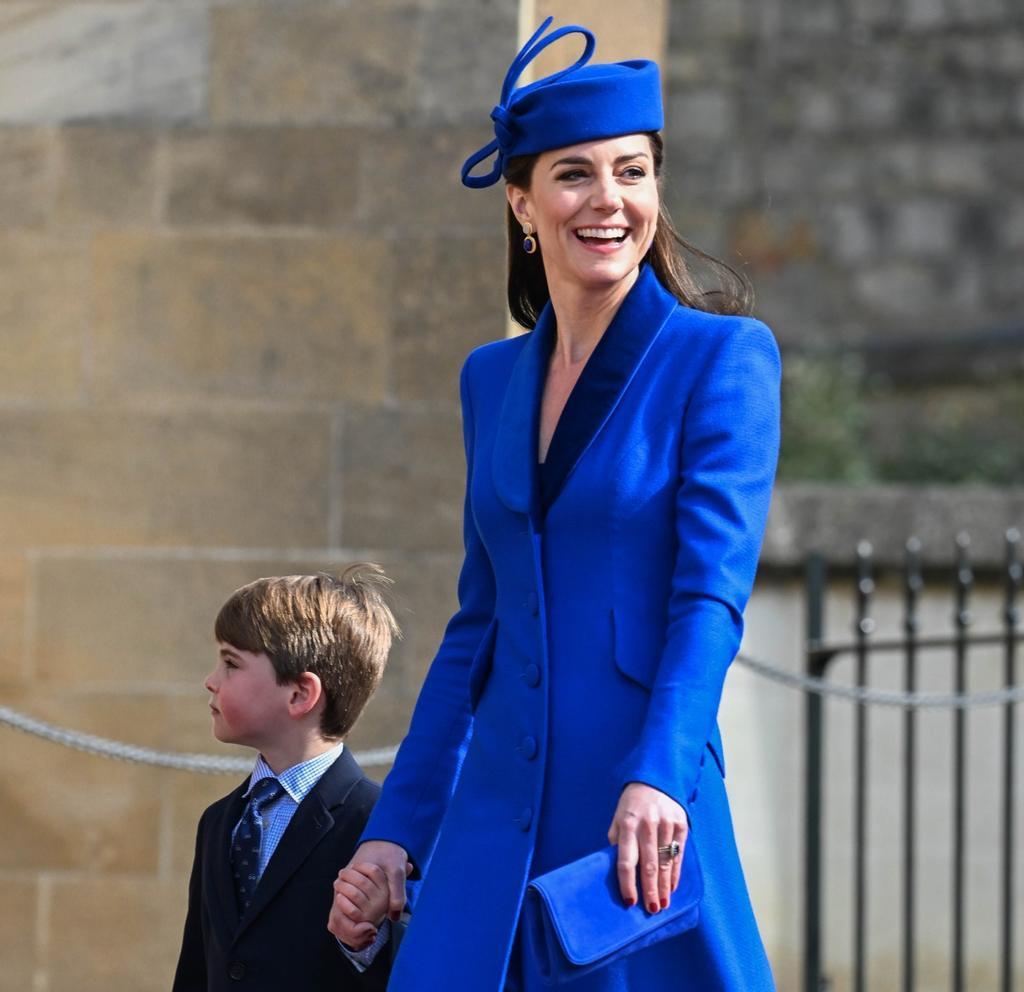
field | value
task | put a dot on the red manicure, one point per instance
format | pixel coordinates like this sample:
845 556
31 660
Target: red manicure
653 907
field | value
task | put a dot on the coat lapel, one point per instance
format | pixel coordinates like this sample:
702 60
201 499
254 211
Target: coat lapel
604 380
309 825
514 464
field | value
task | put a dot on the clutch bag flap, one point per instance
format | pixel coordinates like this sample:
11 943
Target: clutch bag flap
576 920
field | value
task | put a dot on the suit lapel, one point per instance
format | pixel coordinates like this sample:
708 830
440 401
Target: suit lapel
514 464
309 825
221 871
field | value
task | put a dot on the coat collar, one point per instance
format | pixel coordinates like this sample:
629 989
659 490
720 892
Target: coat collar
626 342
311 822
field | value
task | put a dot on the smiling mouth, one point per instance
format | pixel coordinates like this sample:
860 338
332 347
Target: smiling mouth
602 235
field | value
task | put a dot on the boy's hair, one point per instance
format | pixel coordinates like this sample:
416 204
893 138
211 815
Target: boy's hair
340 629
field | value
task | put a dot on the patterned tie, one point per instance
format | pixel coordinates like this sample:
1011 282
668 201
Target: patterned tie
245 848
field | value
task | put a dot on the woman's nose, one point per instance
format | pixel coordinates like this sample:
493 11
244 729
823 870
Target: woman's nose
606 195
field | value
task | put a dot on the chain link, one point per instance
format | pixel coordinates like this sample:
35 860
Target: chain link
881 697
213 764
206 764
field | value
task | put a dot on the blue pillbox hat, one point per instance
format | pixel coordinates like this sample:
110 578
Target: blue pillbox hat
579 103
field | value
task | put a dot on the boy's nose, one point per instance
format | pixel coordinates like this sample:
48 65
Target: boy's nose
209 684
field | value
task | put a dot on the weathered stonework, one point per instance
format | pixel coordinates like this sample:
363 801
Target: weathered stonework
65 62
243 317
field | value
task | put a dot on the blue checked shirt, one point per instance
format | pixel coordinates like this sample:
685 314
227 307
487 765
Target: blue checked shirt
297 782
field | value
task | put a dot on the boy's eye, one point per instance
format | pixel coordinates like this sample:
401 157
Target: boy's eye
228 663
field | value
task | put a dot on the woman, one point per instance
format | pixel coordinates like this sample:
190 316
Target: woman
620 462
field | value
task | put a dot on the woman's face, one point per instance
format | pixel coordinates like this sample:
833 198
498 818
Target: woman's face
594 208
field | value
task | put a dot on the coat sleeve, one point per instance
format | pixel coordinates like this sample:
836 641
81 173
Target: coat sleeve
190 975
730 439
418 789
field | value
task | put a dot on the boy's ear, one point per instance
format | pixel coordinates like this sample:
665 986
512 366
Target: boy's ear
307 691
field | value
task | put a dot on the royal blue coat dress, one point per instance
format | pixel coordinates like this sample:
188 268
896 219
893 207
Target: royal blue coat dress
599 608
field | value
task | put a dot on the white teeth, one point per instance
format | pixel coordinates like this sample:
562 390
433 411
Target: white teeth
602 232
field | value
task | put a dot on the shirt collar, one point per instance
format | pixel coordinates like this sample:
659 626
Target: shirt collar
298 780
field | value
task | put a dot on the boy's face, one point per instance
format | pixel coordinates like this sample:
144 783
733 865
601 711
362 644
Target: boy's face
247 704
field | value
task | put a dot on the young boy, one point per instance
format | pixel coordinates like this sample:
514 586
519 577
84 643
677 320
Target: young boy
298 658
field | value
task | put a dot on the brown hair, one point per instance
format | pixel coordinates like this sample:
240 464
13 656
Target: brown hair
528 286
340 629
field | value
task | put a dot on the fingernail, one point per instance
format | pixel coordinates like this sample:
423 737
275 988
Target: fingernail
630 903
394 917
653 907
664 904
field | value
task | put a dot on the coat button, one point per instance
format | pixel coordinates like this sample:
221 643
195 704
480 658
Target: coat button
525 818
533 604
531 676
236 971
528 748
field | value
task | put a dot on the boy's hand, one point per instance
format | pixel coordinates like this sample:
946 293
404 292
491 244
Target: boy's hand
360 905
361 902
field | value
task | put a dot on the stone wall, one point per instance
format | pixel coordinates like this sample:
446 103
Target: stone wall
238 276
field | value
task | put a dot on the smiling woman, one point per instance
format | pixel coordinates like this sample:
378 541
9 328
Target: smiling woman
620 460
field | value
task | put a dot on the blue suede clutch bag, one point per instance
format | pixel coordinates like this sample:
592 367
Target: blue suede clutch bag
574 920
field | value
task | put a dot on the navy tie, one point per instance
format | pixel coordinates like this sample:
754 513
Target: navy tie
245 847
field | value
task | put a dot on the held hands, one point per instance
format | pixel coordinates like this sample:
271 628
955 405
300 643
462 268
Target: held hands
371 887
645 820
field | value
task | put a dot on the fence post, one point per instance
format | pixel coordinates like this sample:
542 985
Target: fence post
813 779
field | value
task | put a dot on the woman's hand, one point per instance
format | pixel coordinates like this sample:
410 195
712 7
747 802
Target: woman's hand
645 820
346 921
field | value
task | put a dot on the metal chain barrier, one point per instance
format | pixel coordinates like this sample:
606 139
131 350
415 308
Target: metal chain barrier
213 764
882 697
207 764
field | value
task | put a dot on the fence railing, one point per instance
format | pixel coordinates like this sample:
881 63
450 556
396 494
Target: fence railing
914 647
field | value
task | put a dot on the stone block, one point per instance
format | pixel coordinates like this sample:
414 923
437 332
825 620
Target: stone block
304 177
638 31
924 228
19 907
44 310
403 479
926 14
852 233
25 156
459 61
115 934
13 605
143 476
904 290
106 176
701 116
957 167
410 181
312 63
61 62
448 297
145 620
255 318
692 22
107 816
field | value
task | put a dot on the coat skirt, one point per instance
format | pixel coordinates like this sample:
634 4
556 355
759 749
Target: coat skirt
590 647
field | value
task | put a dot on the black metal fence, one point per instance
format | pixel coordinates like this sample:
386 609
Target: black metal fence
911 650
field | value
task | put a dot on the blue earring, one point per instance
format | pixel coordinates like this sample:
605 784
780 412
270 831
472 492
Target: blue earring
529 241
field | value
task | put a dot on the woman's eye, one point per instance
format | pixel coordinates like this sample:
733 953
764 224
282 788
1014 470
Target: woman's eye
571 175
634 172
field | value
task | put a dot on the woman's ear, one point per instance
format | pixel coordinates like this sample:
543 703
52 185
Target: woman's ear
519 202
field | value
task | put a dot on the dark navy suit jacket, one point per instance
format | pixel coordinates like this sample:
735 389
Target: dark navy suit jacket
282 941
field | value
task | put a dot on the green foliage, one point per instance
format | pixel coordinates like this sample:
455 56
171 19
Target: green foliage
840 426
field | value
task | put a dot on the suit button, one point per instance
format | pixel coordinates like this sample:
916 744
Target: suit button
525 818
528 748
533 604
531 676
236 971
